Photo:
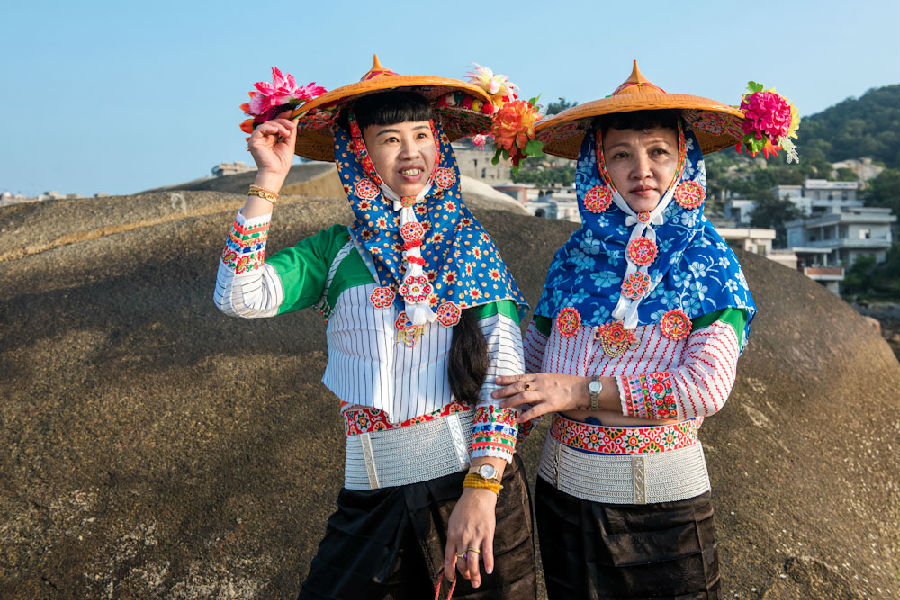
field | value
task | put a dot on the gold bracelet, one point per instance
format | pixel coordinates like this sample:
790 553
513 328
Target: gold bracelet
263 193
473 480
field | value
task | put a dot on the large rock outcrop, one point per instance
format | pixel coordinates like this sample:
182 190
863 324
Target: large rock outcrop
154 448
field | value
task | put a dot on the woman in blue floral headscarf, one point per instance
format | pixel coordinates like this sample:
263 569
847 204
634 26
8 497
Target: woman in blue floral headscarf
422 315
635 340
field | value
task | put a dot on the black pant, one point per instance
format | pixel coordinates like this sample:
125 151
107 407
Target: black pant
594 550
389 543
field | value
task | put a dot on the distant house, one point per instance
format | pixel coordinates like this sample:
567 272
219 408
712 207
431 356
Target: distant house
817 196
830 242
230 168
476 163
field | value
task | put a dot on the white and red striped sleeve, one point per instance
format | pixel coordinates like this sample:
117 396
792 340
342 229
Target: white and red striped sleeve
533 346
698 387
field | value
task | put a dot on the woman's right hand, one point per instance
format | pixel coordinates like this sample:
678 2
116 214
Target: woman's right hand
272 147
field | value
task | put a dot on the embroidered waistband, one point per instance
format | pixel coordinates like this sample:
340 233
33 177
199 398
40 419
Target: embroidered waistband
404 455
625 478
624 440
367 420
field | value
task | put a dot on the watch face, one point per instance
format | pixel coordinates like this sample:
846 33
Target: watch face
487 471
595 387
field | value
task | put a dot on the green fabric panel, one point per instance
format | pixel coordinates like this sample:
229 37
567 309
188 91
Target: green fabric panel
735 317
543 324
507 308
303 268
351 272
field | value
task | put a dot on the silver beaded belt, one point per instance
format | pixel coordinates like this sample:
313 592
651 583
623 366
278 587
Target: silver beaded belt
405 455
625 478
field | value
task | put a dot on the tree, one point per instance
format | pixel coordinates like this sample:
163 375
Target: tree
884 191
564 175
558 107
772 213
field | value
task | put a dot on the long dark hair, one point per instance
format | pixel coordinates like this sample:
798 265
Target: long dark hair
467 363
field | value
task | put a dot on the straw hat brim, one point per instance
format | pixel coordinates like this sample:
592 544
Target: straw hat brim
716 125
316 141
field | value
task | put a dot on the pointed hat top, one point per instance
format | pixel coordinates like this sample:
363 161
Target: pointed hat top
637 84
377 70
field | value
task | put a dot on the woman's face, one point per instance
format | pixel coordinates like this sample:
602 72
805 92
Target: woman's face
404 154
641 164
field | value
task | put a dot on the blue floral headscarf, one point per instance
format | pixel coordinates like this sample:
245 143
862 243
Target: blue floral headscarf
608 270
458 257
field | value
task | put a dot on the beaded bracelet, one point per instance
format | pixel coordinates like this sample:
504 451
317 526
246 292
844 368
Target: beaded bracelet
263 193
474 480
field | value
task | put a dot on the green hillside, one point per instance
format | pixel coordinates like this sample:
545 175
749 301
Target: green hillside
864 126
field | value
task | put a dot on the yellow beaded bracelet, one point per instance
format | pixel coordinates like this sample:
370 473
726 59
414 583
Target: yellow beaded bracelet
473 480
263 193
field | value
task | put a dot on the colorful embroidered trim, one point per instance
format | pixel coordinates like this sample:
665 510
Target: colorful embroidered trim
382 297
444 178
675 324
598 198
624 440
494 431
359 148
636 285
643 216
615 339
690 195
245 248
718 123
368 420
415 288
448 314
407 333
642 251
650 396
568 321
366 190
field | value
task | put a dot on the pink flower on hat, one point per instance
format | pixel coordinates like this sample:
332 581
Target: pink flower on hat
282 90
766 113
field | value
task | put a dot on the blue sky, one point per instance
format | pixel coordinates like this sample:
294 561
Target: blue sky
119 97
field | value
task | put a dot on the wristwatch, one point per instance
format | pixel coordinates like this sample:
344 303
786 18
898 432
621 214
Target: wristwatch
486 472
594 389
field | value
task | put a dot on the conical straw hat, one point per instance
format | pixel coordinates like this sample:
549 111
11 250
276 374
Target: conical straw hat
716 125
315 139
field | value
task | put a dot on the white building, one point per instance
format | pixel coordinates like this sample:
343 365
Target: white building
818 196
476 163
849 234
738 208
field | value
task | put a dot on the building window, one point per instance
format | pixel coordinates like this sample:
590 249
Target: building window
475 163
845 195
865 233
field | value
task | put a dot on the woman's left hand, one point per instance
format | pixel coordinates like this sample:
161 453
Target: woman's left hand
470 535
544 392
